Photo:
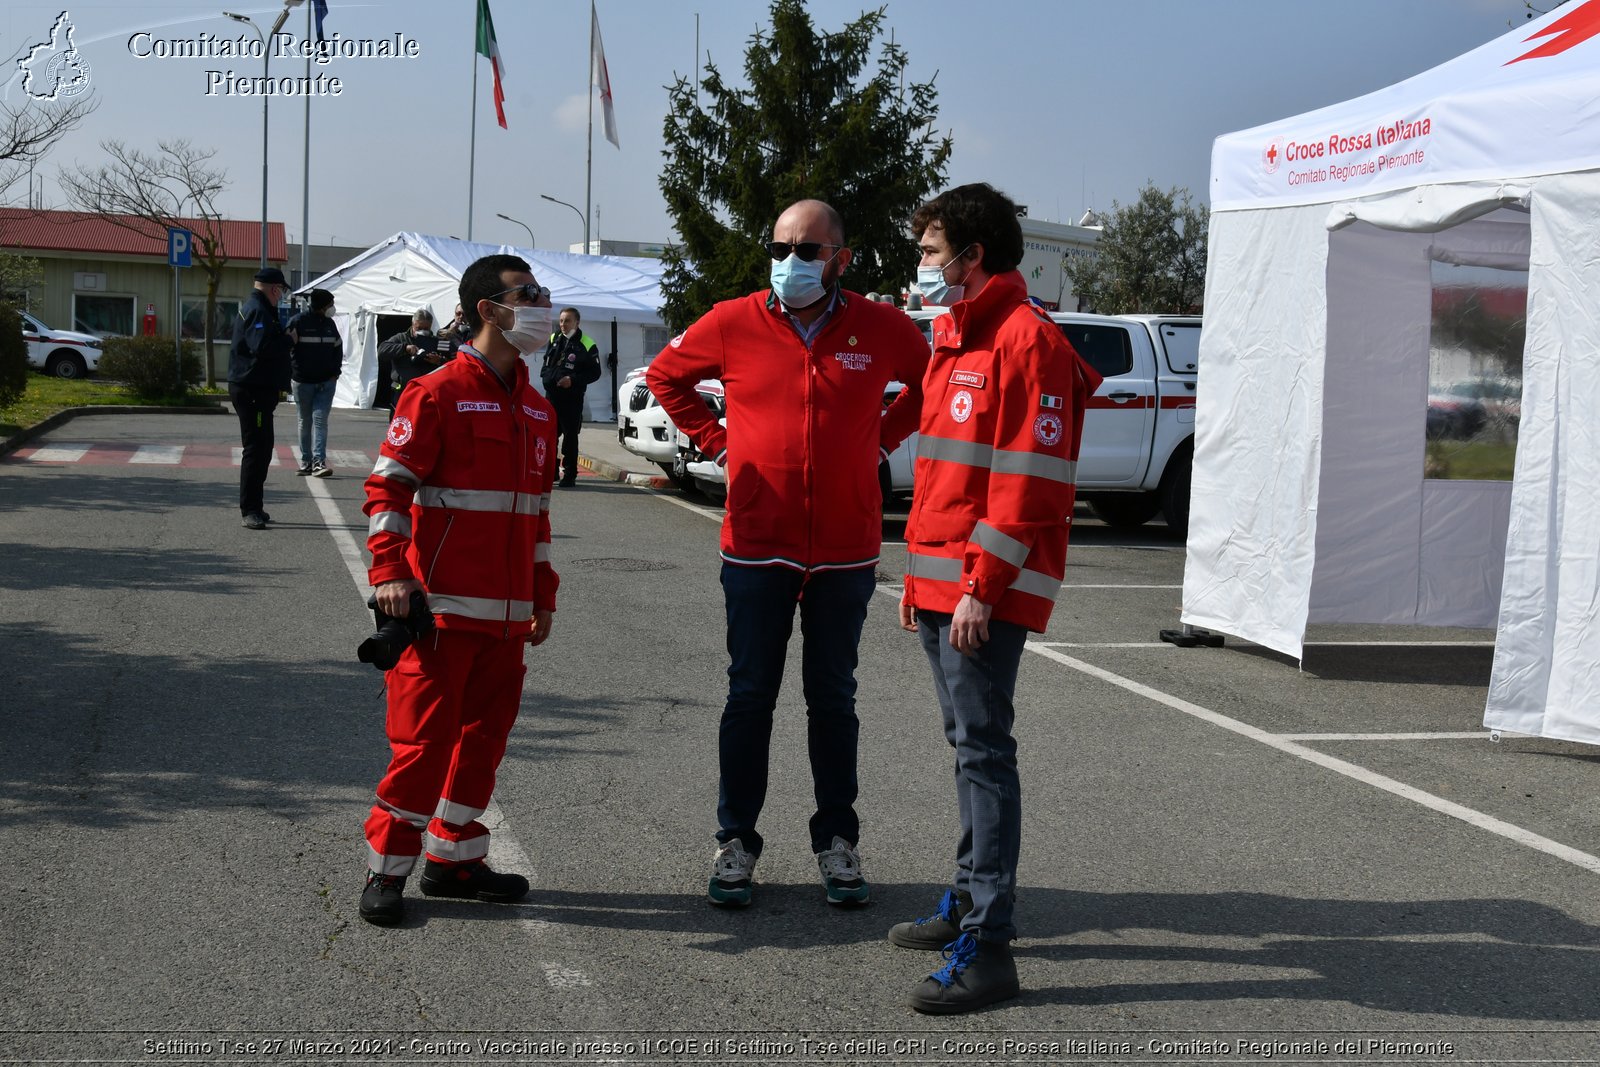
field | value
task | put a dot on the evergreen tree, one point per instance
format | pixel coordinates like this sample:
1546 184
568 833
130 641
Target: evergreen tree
1151 256
818 119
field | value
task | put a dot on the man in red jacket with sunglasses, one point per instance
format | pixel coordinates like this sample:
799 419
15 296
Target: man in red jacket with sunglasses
803 366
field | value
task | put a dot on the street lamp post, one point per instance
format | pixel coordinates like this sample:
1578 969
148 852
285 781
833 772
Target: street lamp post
531 242
266 62
576 212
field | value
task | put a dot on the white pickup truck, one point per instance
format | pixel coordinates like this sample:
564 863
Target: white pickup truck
1138 433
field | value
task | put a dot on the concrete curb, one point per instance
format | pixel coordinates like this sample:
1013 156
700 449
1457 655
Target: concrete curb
66 415
612 472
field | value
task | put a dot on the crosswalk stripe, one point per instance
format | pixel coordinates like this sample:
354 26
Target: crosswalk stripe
157 454
350 460
238 456
62 453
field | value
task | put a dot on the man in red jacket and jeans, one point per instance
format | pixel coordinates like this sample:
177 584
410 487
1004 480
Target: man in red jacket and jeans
803 367
986 549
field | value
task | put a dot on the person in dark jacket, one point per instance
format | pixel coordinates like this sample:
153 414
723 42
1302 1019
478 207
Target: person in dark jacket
258 373
315 362
571 362
411 354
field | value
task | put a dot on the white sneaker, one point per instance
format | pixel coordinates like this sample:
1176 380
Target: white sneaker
841 874
732 873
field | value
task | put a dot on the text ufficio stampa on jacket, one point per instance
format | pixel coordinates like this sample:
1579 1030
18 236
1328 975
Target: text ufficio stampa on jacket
996 471
460 497
805 423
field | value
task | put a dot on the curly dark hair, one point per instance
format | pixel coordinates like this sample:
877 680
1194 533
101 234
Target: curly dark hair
975 214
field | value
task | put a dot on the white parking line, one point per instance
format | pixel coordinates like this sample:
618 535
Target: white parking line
1463 735
503 847
1361 774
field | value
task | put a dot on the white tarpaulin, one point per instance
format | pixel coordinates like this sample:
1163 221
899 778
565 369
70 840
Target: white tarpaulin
412 270
1311 499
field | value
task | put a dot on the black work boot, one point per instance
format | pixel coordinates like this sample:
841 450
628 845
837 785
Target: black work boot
977 974
383 901
937 930
472 881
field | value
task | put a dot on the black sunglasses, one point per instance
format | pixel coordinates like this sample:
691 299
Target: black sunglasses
533 292
807 251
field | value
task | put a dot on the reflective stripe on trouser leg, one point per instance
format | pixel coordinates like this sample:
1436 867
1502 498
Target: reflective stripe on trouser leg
428 689
489 708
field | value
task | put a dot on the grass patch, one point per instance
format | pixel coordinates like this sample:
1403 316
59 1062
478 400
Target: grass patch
1483 461
47 395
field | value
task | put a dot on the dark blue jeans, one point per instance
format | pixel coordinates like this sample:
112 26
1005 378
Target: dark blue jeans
975 695
761 605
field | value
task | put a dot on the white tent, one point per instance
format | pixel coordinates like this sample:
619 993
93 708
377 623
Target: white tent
1310 500
412 270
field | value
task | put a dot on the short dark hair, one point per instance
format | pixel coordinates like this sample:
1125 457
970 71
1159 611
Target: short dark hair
975 214
481 281
576 314
321 299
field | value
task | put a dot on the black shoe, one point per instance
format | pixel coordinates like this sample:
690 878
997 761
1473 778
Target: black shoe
937 930
977 974
570 481
303 470
254 521
383 902
472 881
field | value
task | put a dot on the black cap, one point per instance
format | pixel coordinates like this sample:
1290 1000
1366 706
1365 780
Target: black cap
272 276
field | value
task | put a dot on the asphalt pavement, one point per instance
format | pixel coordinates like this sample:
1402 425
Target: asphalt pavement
1226 857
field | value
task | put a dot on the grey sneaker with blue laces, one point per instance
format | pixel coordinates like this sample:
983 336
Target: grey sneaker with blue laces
937 930
841 874
732 876
976 974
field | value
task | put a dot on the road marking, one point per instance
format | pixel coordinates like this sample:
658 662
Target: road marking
1105 644
236 453
157 454
504 850
1361 774
349 459
1462 735
62 453
664 494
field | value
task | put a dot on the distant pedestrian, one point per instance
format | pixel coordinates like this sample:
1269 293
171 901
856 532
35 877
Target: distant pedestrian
316 361
258 374
411 354
571 362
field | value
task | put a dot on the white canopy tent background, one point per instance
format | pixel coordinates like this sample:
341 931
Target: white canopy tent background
412 270
1310 502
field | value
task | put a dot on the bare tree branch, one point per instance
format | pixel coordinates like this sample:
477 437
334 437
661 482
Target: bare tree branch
28 132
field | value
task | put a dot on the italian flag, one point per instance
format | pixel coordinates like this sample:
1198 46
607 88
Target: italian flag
489 48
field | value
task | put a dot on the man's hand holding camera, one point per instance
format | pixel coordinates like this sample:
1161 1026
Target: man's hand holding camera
395 601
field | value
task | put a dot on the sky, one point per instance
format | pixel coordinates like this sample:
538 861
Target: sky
1063 104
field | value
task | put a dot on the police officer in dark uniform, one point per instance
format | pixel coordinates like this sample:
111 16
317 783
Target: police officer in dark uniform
258 373
571 362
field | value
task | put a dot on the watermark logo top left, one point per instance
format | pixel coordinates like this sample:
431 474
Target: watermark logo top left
54 69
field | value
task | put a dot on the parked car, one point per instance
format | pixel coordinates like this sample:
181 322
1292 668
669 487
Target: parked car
644 427
1452 417
62 353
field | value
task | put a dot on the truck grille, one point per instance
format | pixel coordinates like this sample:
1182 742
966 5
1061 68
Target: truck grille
639 399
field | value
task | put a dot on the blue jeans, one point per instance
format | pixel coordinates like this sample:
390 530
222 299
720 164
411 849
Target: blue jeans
312 402
761 605
975 696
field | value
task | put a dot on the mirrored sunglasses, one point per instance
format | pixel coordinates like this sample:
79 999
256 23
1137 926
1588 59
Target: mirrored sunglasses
807 251
533 293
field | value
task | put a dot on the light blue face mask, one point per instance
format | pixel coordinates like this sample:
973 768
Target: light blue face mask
798 283
935 290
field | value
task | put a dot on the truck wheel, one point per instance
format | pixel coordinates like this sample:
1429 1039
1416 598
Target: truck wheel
1175 491
66 365
1123 510
674 476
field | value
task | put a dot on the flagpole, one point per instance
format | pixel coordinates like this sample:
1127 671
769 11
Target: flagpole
588 167
305 180
472 150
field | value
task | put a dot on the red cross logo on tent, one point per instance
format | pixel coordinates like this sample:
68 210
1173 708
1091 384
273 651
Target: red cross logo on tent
1270 157
961 406
1565 32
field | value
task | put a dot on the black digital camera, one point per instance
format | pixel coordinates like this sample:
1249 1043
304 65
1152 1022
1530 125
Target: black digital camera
394 635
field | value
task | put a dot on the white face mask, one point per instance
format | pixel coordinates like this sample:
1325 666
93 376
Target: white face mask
530 328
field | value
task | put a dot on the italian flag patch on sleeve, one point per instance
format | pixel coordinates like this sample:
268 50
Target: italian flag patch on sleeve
1048 401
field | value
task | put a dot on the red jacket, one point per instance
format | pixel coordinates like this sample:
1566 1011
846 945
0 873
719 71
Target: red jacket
460 497
805 424
997 459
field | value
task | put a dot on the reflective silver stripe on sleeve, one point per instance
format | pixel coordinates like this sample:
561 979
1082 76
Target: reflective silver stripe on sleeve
1038 583
541 552
437 496
938 568
473 848
389 522
1005 546
472 607
1036 465
531 505
456 814
393 468
971 453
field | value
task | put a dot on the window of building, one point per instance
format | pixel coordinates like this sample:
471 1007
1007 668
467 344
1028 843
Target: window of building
194 313
103 315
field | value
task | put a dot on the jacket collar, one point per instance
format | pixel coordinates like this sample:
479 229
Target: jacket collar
480 363
840 294
1002 293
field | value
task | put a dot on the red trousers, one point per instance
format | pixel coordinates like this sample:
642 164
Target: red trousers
452 699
